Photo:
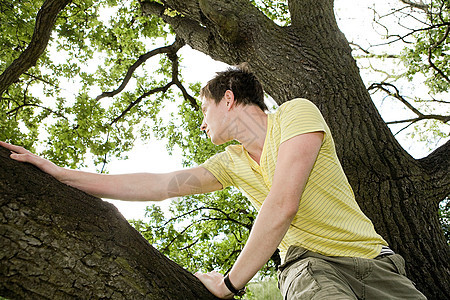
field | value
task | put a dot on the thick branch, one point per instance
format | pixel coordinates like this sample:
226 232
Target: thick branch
304 12
143 58
45 20
60 243
219 29
437 165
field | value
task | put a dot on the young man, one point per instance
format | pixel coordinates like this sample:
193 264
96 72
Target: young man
287 166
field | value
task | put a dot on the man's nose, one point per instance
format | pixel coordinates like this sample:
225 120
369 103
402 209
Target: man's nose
203 126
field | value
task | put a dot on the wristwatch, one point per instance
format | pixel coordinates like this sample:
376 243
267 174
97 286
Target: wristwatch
231 287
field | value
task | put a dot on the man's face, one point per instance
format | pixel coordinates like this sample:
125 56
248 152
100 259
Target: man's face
214 120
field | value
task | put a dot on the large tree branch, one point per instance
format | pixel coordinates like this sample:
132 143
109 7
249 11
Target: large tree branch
220 29
437 165
189 28
45 20
306 11
60 243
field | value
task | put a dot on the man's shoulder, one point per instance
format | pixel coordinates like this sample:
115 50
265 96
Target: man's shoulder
295 107
296 102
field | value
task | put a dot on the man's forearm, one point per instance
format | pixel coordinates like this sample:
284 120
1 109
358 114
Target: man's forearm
128 187
270 226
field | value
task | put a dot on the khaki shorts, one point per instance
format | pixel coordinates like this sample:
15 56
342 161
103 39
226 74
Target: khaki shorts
309 275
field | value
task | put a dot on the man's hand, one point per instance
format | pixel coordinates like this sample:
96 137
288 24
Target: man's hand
214 283
23 155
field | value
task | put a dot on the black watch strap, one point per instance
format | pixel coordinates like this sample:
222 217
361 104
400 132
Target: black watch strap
231 287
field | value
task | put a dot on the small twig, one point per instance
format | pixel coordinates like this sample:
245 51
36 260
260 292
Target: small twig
402 37
106 154
190 245
138 100
396 95
207 208
36 105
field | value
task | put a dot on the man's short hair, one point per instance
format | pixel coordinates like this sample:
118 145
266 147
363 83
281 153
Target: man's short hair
245 86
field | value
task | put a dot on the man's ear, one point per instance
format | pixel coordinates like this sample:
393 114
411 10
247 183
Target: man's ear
229 98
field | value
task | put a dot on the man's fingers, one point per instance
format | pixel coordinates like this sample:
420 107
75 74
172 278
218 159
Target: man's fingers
20 157
17 149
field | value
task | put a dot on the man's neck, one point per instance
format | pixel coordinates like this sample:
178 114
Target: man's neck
252 130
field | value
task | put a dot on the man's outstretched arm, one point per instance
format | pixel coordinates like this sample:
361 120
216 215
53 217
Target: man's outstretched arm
129 187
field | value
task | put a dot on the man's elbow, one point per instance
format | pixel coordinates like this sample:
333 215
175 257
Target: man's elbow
289 209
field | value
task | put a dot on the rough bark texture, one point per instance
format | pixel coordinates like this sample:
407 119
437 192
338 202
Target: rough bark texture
60 243
312 59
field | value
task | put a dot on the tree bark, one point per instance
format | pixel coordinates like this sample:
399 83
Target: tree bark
60 243
312 59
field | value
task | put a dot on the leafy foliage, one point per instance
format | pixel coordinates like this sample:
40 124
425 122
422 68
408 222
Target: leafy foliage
55 102
429 55
275 10
444 217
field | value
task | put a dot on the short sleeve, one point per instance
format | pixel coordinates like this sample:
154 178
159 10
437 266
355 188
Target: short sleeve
300 116
218 165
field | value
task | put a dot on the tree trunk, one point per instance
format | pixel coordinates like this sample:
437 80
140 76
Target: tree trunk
60 243
312 59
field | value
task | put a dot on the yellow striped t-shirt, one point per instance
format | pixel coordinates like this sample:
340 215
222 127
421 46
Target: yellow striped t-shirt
329 221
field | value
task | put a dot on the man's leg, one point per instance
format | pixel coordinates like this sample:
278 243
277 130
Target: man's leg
310 275
313 278
388 280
